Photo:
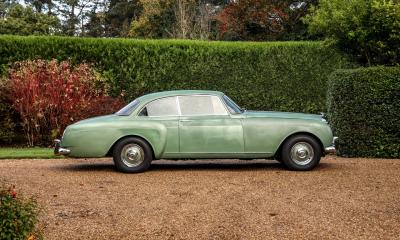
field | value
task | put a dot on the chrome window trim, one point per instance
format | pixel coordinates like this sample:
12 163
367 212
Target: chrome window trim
228 113
225 103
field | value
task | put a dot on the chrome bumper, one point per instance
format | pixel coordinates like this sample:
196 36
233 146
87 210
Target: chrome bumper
58 150
331 149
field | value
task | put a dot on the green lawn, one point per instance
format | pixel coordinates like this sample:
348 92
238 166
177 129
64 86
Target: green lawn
18 153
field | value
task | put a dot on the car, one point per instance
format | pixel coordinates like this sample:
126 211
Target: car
197 124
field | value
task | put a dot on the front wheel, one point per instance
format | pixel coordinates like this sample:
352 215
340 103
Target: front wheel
132 155
301 152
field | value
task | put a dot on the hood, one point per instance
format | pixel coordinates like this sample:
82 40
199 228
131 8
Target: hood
282 115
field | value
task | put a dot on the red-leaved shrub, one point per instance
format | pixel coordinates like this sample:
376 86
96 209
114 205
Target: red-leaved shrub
19 215
49 95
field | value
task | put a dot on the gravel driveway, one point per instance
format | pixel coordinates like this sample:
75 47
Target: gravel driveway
222 199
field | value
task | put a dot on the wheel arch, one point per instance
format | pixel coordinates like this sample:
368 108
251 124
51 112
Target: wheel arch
110 151
279 150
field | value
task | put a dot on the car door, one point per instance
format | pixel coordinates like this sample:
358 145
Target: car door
207 130
165 111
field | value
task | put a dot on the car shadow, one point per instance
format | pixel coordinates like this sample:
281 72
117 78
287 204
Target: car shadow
192 165
218 165
86 167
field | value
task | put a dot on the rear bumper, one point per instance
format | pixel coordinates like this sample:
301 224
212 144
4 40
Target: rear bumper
58 150
331 149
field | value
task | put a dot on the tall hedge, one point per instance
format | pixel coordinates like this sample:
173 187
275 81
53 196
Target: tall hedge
364 111
285 76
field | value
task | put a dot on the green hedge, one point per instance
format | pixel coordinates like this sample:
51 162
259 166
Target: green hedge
364 110
285 76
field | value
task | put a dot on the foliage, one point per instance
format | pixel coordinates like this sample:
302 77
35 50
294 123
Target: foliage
286 76
50 95
156 20
294 27
252 20
363 108
260 20
368 29
7 125
42 6
119 15
183 19
18 215
21 20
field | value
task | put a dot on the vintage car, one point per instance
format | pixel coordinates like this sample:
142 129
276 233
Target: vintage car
194 124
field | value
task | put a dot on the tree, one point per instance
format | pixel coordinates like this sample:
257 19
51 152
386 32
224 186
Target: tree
72 11
5 5
20 20
185 19
41 5
119 15
252 20
96 20
193 19
369 29
294 27
156 20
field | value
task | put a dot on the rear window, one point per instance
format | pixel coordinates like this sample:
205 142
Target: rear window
128 109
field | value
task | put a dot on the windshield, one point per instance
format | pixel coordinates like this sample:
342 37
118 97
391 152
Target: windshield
128 109
233 107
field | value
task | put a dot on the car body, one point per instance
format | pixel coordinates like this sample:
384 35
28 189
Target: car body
193 124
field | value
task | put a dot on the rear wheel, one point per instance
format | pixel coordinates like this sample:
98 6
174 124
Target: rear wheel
132 155
301 152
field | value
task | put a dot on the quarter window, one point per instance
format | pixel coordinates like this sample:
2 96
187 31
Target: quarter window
201 105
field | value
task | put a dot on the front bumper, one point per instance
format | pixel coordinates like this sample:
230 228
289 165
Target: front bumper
58 150
331 149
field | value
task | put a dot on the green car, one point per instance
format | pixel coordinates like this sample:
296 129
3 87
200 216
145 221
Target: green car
192 124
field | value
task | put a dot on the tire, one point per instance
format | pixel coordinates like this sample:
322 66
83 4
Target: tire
132 155
301 153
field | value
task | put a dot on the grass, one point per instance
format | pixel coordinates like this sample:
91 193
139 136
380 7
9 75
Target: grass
19 153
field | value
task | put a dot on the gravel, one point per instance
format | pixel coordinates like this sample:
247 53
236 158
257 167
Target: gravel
213 199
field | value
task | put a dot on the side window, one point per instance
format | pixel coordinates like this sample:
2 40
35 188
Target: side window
161 107
201 105
143 112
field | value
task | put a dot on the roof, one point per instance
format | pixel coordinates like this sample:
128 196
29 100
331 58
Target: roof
156 95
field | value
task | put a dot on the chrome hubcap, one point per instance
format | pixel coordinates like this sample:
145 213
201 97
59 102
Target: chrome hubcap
132 155
302 153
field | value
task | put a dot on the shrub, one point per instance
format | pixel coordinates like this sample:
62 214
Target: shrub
7 124
49 95
368 29
18 215
285 76
363 108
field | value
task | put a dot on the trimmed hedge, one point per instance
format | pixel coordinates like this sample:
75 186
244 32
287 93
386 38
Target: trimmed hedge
364 111
285 76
